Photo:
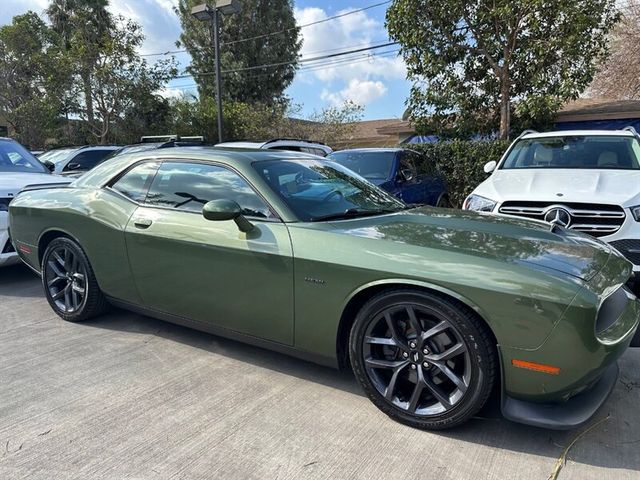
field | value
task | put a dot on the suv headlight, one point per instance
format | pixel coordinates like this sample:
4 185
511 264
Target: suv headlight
478 204
635 211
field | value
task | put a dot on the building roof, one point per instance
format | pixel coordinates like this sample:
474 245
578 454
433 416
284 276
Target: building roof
376 133
592 109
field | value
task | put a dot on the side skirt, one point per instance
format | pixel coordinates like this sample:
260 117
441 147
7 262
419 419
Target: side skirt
226 333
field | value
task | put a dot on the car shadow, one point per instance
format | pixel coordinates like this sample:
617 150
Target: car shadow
612 443
19 281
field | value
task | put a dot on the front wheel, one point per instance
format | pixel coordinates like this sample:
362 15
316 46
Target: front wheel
443 202
69 282
422 359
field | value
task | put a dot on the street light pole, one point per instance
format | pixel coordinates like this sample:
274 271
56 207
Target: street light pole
206 12
216 47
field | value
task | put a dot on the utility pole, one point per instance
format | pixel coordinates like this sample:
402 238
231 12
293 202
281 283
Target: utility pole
206 12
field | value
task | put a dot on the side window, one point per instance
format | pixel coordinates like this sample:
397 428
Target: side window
87 160
319 152
189 186
407 165
135 183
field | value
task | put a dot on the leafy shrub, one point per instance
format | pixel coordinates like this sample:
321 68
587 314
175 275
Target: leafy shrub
461 162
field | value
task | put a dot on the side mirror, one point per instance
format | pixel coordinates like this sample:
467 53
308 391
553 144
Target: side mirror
406 175
49 166
490 166
222 210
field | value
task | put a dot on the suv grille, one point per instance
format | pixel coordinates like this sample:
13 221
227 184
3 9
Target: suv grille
595 219
629 248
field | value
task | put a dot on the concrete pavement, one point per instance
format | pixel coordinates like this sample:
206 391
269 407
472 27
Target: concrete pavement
126 396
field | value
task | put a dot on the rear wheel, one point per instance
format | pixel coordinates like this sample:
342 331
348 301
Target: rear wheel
69 282
422 359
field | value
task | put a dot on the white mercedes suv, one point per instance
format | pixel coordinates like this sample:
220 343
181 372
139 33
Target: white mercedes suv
18 168
585 180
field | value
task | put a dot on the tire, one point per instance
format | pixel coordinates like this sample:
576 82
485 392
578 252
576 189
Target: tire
432 381
69 282
443 202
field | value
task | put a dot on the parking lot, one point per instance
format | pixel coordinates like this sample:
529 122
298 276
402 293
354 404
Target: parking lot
127 396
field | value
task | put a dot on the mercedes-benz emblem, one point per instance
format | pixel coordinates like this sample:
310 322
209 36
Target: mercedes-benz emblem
558 216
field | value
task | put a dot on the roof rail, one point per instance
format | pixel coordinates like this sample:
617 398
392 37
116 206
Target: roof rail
527 132
295 140
170 138
632 130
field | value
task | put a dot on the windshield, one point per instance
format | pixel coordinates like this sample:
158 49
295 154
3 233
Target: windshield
15 158
320 190
370 165
583 152
58 155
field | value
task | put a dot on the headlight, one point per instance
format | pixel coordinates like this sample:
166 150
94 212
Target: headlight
635 211
478 204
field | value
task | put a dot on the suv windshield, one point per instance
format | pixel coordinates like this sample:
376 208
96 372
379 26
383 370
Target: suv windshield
15 158
321 190
370 165
594 152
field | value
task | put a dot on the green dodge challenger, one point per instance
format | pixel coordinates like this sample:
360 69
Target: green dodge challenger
434 309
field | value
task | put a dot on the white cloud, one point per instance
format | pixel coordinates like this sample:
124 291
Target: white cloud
360 77
171 92
160 24
358 91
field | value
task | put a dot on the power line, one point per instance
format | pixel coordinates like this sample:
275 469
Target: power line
265 35
351 12
303 60
316 67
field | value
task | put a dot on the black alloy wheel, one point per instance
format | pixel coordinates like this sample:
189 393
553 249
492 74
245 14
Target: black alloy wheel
69 282
422 359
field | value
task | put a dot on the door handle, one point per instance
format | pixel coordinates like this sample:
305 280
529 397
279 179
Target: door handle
142 223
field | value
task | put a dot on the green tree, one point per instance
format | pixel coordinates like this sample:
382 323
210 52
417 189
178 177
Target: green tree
474 63
120 76
30 69
83 27
257 19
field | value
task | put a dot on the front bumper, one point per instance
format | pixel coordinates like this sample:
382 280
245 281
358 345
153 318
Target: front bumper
583 348
8 256
572 414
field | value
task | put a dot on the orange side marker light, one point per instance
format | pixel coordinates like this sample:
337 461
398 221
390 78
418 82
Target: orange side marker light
538 367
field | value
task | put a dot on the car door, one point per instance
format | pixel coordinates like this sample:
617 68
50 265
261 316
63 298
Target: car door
209 271
416 189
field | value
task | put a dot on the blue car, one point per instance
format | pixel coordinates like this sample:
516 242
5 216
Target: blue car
394 170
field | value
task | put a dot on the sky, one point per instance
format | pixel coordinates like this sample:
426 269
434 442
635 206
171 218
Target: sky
375 80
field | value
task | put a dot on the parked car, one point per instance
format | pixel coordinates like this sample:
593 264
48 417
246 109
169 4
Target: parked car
18 168
432 309
394 170
588 181
75 161
159 141
289 144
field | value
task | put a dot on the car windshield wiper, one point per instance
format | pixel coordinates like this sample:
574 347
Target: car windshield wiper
354 213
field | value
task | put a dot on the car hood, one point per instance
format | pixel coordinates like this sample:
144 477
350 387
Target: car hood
12 183
618 187
521 241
